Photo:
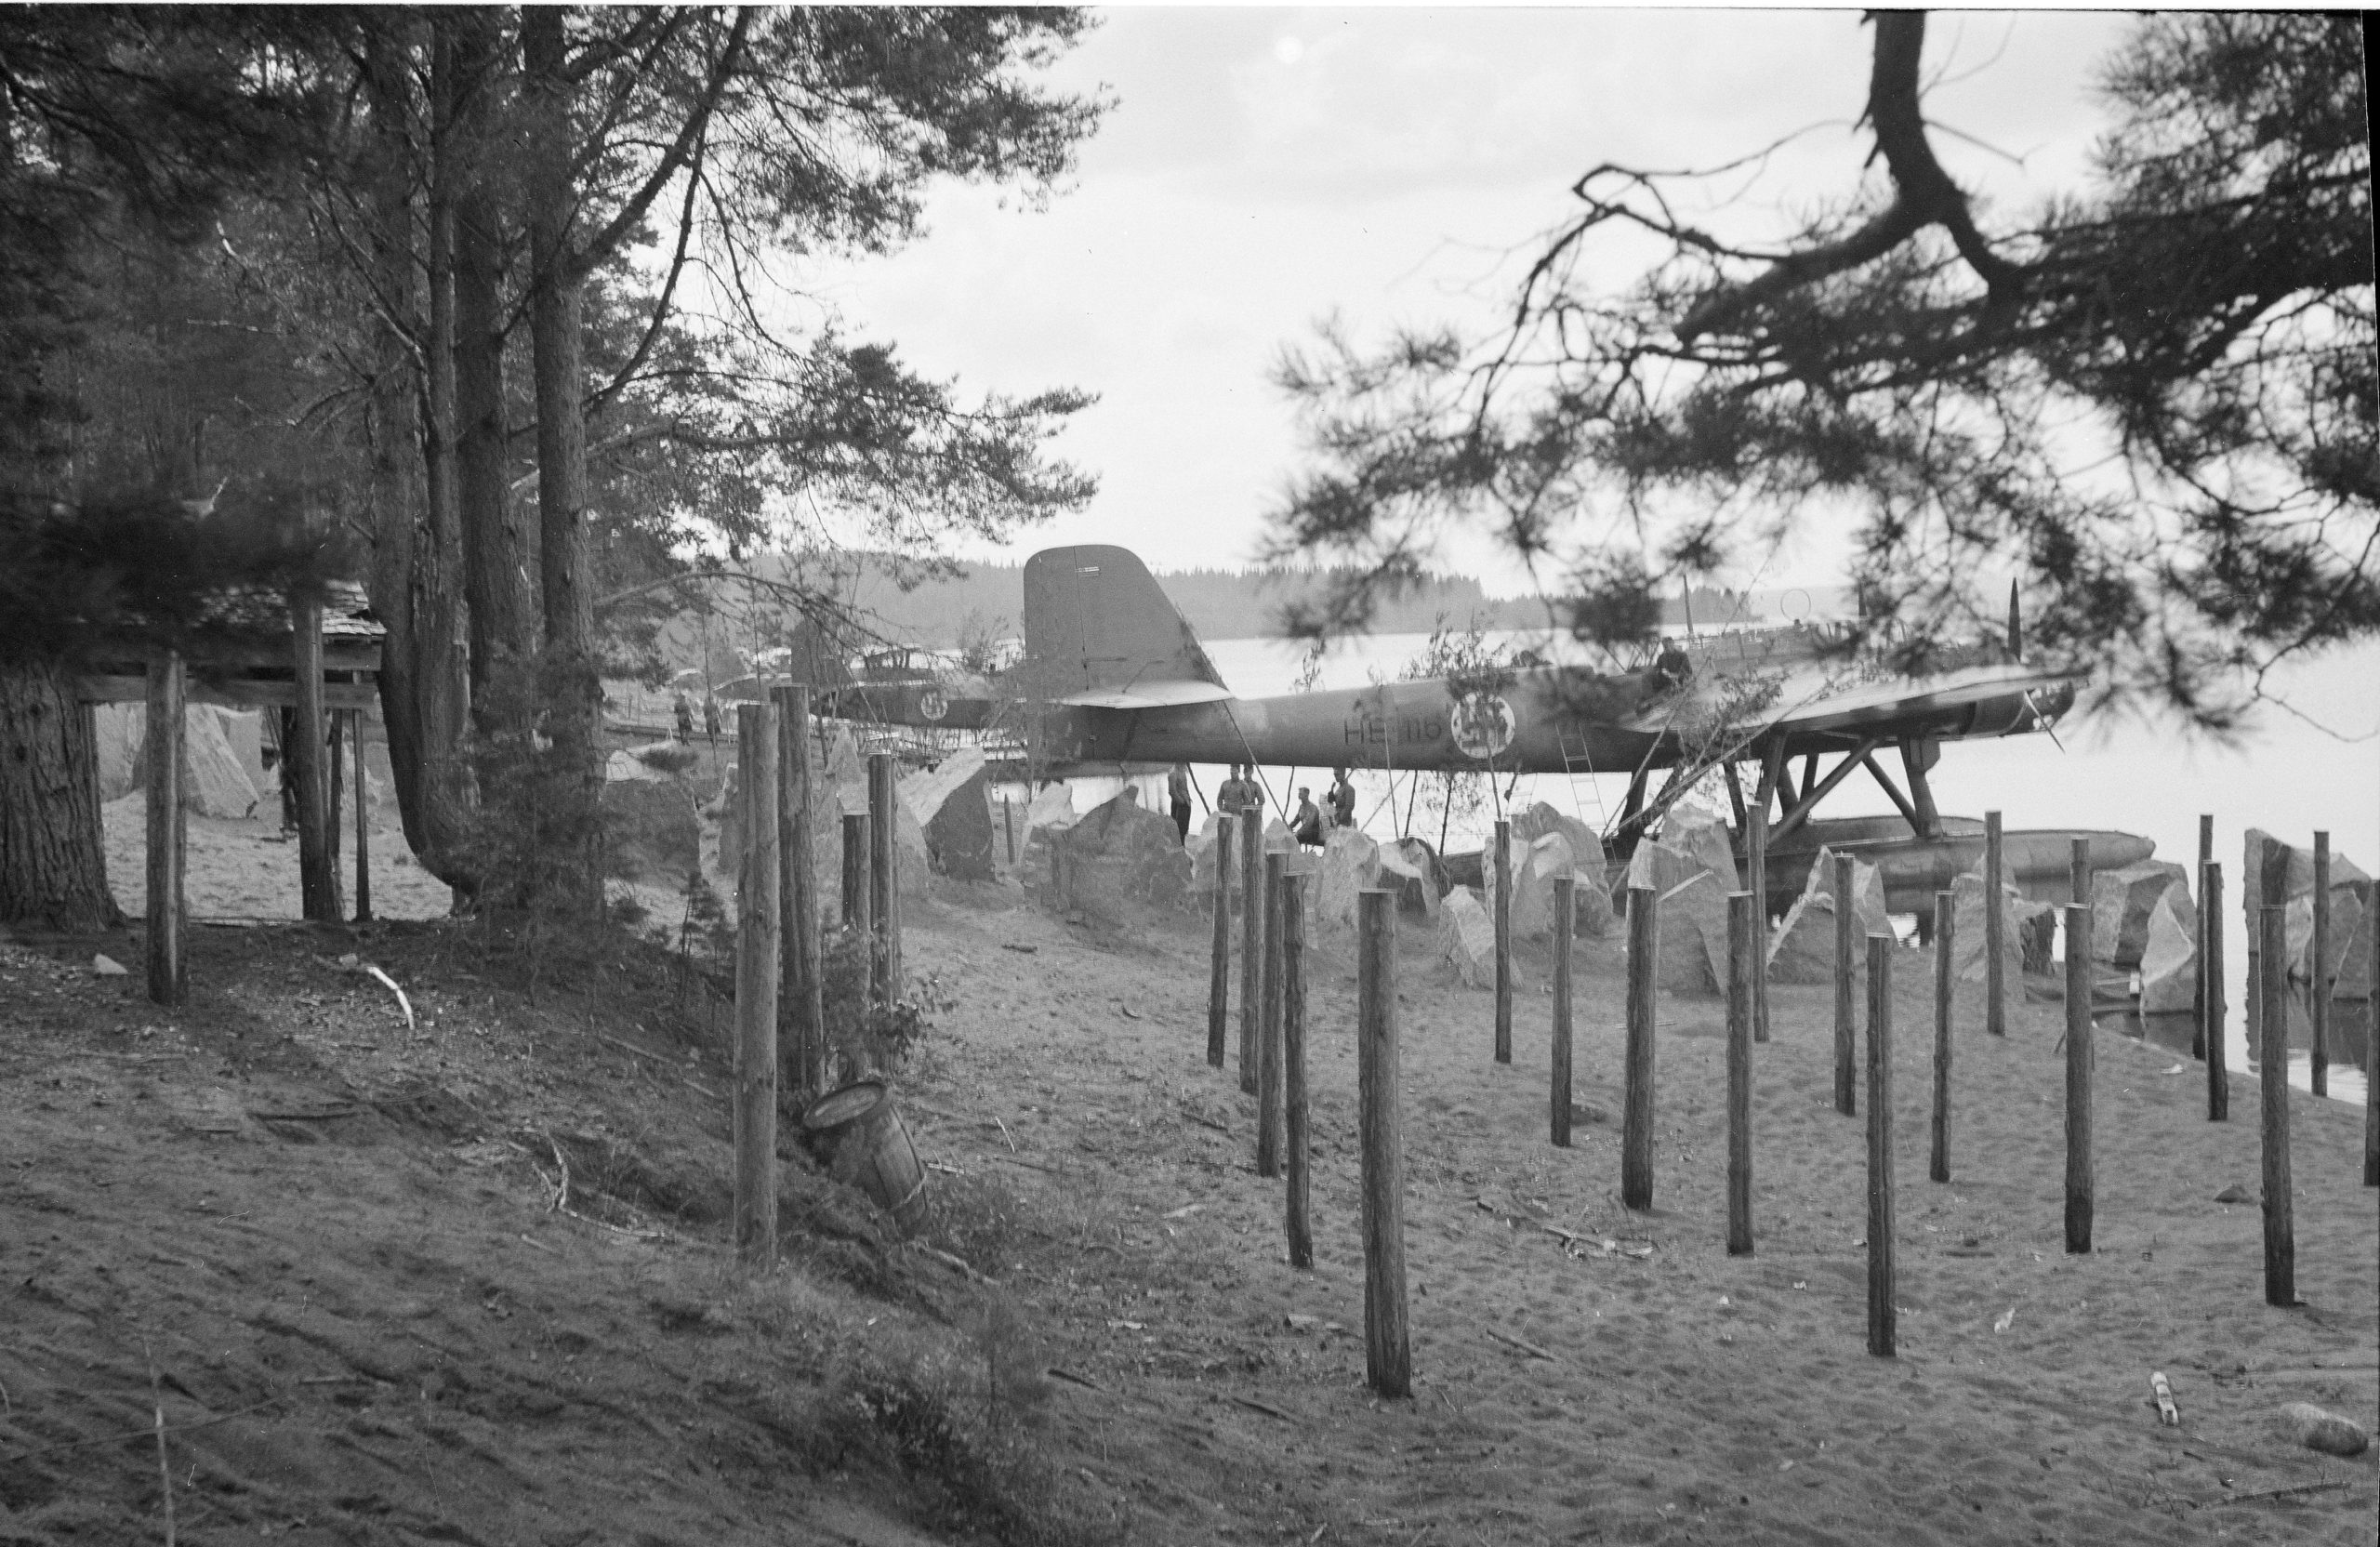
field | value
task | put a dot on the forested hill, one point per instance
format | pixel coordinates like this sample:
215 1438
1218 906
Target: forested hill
1221 605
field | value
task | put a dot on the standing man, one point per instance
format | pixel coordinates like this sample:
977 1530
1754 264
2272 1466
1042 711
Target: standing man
711 720
685 714
1342 799
1177 790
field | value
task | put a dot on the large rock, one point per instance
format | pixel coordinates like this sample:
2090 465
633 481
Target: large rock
214 777
2122 902
950 806
651 832
1201 850
2249 884
1703 835
1803 948
2169 962
2317 1429
2348 957
657 759
1119 857
1588 862
121 729
2037 927
1467 938
1411 866
1536 866
1692 904
1970 960
1351 866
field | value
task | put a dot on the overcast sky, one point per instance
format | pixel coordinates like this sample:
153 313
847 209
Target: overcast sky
1265 168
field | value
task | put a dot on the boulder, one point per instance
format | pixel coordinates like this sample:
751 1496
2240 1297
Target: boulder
1467 938
2169 962
1968 917
1693 913
2037 929
651 832
1536 866
2348 957
2122 902
1411 866
215 779
658 760
1704 835
2250 884
1803 949
1589 864
1350 864
2319 1429
122 728
1201 850
950 806
1119 857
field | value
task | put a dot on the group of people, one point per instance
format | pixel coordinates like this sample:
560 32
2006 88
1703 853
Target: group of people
1243 793
684 712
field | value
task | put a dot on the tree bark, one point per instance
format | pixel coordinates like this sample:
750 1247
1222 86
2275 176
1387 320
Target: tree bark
555 331
499 544
53 852
424 691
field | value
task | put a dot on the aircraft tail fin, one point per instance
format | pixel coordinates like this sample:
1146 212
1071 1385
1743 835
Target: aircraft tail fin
1100 632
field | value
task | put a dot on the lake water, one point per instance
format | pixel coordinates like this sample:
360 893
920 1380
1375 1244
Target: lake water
2318 768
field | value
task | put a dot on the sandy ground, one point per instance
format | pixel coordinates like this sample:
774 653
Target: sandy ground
336 1239
245 869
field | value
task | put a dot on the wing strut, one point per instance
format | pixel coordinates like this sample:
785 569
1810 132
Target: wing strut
1815 793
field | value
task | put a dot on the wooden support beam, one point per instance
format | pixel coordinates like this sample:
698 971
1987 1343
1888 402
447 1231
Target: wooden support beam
1813 793
362 823
1735 794
1917 755
1884 780
235 692
758 934
317 878
165 832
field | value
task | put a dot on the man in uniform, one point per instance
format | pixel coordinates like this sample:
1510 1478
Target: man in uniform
1177 790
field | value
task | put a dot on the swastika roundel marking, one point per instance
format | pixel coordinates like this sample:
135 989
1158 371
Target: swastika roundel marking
932 704
1484 724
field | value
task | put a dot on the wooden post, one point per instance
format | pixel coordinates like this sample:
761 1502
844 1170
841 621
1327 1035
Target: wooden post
1636 1118
1388 1362
2198 983
363 825
1995 930
801 986
167 975
1300 1231
1566 904
335 780
2318 987
1756 861
1251 943
2280 1227
1268 1053
884 876
856 912
1008 828
1743 945
2079 1177
1503 857
757 937
317 881
1945 942
1219 968
1846 1049
1883 1317
2211 990
2079 870
2372 1055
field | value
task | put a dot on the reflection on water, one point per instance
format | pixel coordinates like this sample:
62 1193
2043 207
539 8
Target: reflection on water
2350 1035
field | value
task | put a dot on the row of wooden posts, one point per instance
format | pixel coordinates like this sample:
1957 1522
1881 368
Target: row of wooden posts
777 956
1272 1063
315 778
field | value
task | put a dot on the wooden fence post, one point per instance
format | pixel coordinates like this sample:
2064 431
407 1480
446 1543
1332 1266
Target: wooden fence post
2317 977
1995 928
363 825
2079 1176
317 878
1388 1361
1743 947
1251 945
1219 967
1884 1319
1268 1053
1566 905
884 876
2371 1054
801 987
2078 869
1756 862
1636 1115
166 828
2198 978
2279 1204
1945 978
2211 991
756 939
855 846
1300 1231
1502 858
1846 1048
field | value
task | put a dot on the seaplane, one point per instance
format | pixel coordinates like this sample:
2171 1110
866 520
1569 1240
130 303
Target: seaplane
1114 681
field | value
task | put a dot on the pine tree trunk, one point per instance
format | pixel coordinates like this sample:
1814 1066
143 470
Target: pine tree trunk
499 544
555 325
53 852
416 553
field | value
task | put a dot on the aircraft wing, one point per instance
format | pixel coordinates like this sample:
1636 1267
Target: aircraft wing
1147 695
1917 703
